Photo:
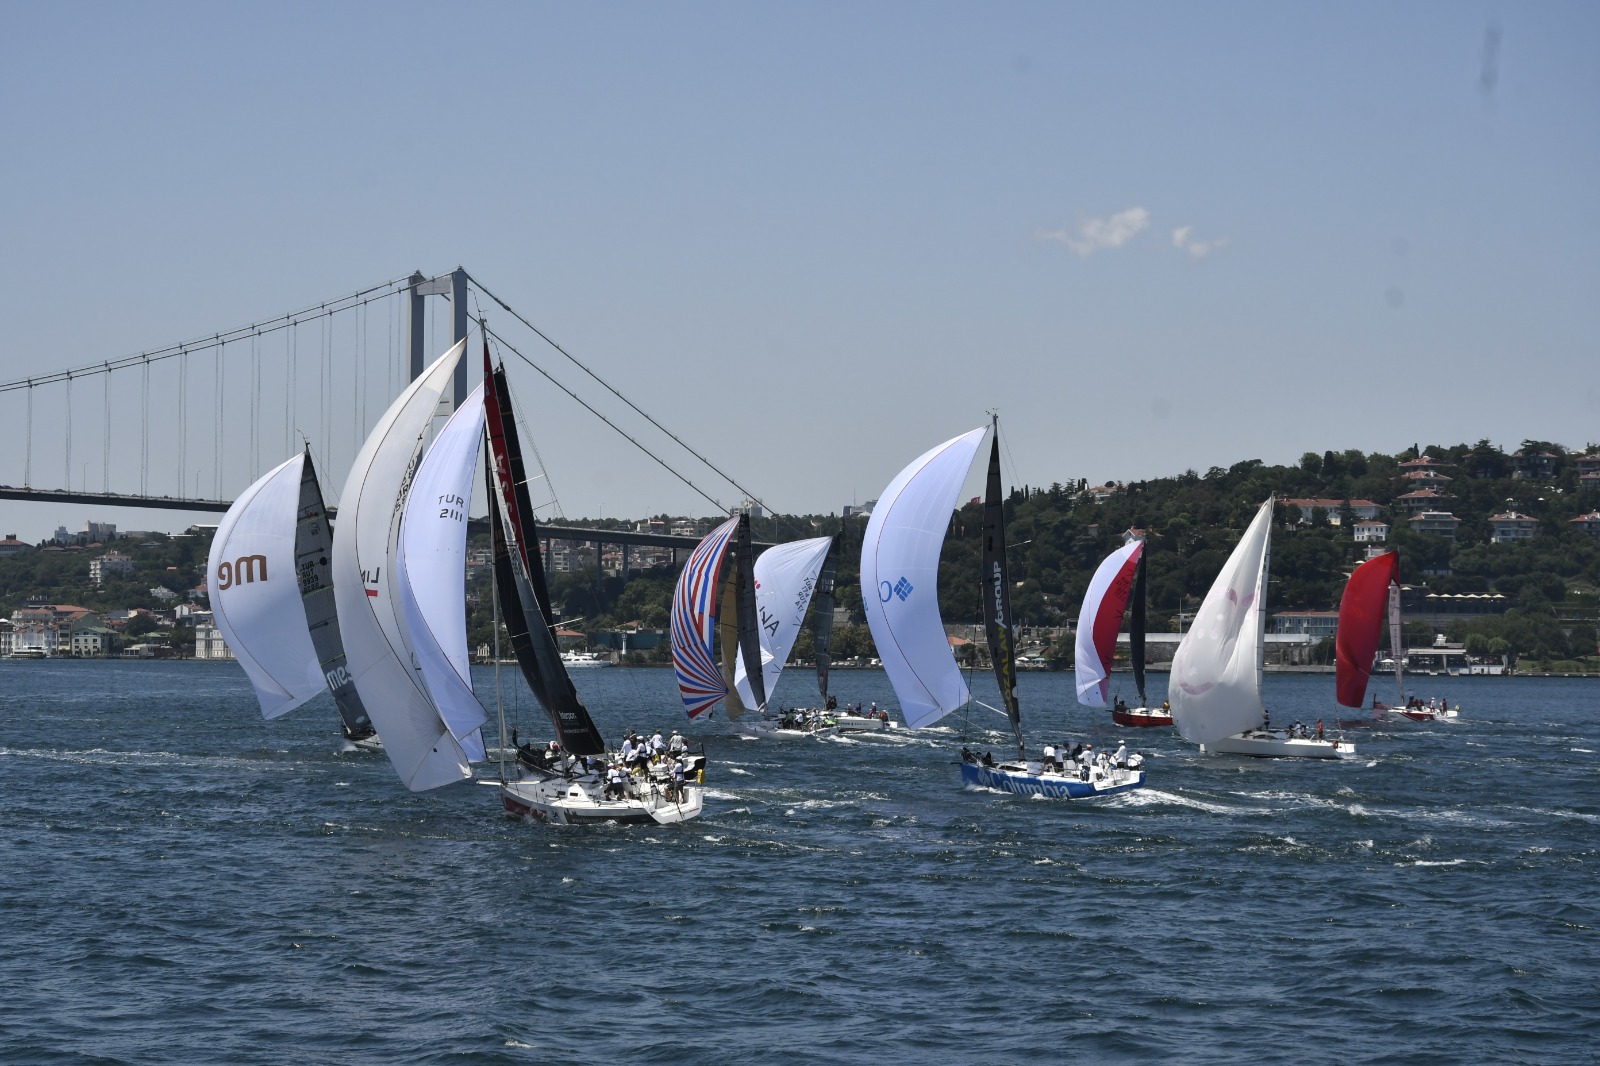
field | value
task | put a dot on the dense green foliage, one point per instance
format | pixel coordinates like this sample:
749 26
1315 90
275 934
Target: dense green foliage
1059 534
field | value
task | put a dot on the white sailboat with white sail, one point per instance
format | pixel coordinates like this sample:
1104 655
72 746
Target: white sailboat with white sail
1215 687
899 587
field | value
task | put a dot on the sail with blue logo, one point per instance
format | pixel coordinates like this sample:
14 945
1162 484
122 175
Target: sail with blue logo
701 597
899 580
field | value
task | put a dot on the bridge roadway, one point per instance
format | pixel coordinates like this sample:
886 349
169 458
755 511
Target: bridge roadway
173 503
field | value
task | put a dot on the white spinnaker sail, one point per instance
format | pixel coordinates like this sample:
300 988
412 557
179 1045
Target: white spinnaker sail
254 596
786 576
1215 687
417 741
432 572
899 580
1103 605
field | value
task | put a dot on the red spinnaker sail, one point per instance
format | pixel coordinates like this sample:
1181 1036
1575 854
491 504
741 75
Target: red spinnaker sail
1362 612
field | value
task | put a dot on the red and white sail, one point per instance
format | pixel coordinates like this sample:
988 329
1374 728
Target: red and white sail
1370 598
1101 620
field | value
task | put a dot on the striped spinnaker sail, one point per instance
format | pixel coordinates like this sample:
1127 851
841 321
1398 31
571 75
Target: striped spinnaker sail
694 622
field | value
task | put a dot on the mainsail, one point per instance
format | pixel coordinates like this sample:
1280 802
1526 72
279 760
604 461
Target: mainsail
1216 674
254 595
424 752
520 580
899 580
785 578
431 563
313 551
1362 611
997 592
1100 621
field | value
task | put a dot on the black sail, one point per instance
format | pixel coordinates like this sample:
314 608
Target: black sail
1136 625
520 582
997 592
744 558
822 604
313 541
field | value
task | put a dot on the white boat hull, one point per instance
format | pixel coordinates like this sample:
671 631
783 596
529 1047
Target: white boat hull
1031 780
580 801
851 723
1278 743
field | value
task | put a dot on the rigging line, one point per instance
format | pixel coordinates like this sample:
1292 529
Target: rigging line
271 325
541 335
512 348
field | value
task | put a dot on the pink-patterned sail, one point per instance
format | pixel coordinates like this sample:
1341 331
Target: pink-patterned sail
1101 620
1362 611
694 622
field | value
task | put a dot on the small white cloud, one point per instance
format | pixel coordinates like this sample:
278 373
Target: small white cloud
1195 249
1097 233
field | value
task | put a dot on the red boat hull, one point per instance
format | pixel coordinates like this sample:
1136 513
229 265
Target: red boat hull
1140 716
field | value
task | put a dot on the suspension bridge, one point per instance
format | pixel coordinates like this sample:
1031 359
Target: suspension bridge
187 426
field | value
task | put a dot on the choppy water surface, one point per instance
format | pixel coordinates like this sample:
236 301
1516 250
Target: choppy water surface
184 883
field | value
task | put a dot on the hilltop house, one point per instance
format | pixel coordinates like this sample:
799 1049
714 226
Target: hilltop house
1511 527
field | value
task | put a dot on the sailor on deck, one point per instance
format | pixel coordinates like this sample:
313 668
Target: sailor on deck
677 745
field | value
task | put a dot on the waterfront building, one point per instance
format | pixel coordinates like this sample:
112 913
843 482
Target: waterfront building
1436 523
1373 532
208 642
1318 625
112 562
1364 510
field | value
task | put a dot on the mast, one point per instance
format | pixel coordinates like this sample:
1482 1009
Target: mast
1136 626
744 558
1261 605
997 591
822 603
1396 636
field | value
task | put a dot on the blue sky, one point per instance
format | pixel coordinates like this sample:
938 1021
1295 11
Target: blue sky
814 240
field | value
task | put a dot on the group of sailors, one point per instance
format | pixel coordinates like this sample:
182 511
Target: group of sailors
813 718
656 758
1081 760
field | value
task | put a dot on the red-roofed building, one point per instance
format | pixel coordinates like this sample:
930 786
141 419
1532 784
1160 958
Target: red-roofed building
1421 500
1511 527
1364 510
12 546
1438 523
1589 523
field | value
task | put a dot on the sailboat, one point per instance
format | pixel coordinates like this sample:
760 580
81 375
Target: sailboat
270 550
1118 581
715 595
569 788
899 588
788 577
1215 688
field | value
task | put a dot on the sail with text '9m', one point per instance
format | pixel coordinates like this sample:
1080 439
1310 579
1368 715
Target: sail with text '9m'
1107 597
520 579
899 579
423 750
1371 596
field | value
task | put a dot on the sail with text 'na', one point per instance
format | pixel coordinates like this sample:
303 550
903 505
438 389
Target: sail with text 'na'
695 604
255 599
1100 621
899 579
1362 611
785 578
520 579
1215 689
419 744
432 564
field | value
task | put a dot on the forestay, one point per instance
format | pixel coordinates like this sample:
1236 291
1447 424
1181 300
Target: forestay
254 597
899 580
432 564
418 743
785 578
1216 675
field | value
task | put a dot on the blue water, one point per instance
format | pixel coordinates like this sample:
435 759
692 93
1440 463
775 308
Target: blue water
184 883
